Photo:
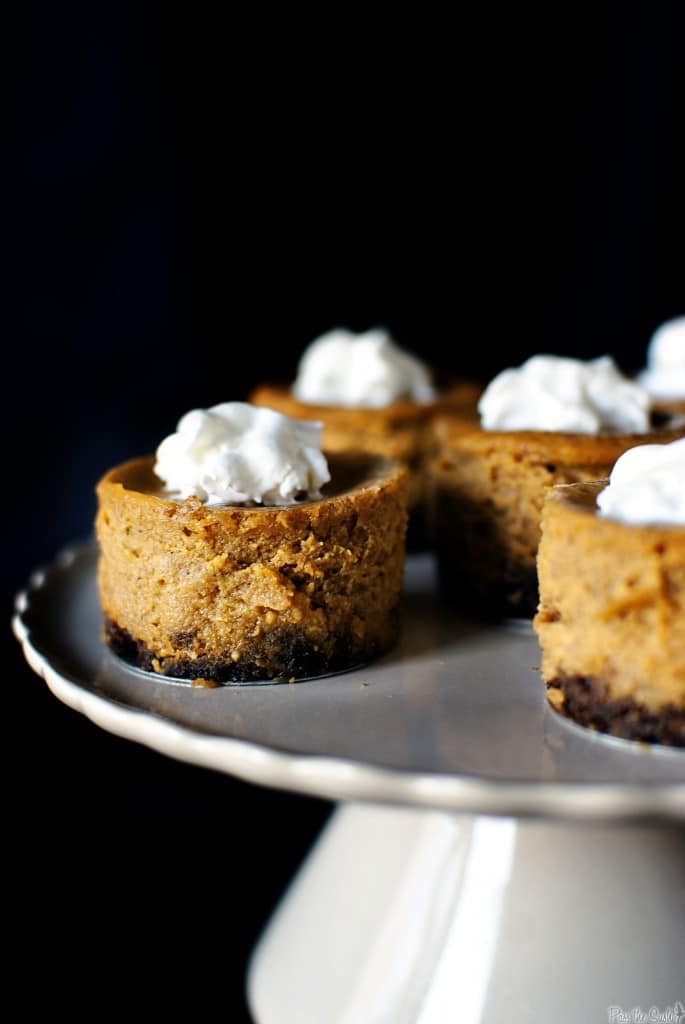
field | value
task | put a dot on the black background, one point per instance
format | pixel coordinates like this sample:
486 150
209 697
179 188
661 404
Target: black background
198 198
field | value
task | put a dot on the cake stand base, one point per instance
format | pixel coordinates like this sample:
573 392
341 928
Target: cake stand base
402 916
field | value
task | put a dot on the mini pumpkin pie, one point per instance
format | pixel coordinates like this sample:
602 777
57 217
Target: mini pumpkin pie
487 485
371 396
198 585
611 621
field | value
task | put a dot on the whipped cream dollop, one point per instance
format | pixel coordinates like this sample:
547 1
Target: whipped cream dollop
566 395
664 375
647 486
367 370
235 453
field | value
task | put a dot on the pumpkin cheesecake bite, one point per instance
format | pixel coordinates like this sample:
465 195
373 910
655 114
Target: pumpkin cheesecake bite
611 621
552 421
243 553
664 375
371 396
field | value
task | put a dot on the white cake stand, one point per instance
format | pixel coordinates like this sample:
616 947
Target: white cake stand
488 860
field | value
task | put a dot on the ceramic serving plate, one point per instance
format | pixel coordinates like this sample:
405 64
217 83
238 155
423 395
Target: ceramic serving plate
455 718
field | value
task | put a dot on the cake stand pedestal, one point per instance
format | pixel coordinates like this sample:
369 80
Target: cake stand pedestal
408 916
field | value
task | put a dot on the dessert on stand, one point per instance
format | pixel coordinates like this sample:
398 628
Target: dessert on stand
611 621
371 395
663 376
551 421
242 553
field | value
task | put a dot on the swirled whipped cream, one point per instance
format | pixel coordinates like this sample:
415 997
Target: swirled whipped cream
366 370
647 486
664 375
566 395
235 454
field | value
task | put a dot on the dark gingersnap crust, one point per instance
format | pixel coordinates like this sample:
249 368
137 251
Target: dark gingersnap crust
284 655
586 702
